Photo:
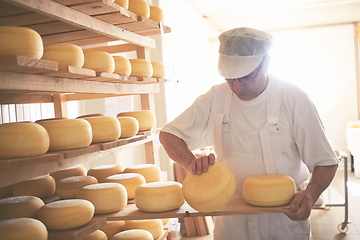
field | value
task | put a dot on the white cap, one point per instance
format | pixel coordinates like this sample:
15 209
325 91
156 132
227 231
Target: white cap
241 51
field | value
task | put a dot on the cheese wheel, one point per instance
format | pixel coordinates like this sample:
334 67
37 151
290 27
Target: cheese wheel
20 207
113 227
42 187
66 214
20 41
129 126
69 172
139 7
158 70
154 226
104 128
97 235
66 134
209 191
99 61
146 118
23 228
23 139
106 197
269 190
156 14
103 171
159 196
68 188
151 172
65 54
141 68
133 234
91 115
123 3
130 181
122 65
5 192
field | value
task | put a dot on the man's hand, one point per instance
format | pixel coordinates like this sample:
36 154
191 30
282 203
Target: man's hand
303 204
201 165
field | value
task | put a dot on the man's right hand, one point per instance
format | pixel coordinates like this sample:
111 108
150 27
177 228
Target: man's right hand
200 165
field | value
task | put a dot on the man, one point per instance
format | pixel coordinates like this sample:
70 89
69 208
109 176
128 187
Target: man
257 124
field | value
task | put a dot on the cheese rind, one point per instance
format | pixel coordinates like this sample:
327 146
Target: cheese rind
113 227
122 65
42 186
104 128
20 207
99 61
151 172
141 68
97 235
133 234
23 228
129 126
65 54
123 3
139 7
145 118
131 181
154 226
158 70
68 188
156 14
103 171
68 172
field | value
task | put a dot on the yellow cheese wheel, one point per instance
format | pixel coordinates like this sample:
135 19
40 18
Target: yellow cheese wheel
133 234
122 65
159 196
65 54
129 126
130 181
104 128
146 118
156 14
151 172
42 186
23 228
269 190
158 70
141 68
66 214
139 7
68 134
68 188
77 170
91 115
23 139
209 191
99 61
154 226
123 3
20 207
106 197
113 227
20 41
97 235
103 171
5 192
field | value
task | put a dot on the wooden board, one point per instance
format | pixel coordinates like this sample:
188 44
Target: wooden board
24 64
72 72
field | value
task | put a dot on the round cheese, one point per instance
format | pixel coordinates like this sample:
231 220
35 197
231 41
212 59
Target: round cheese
104 128
156 14
113 227
20 41
129 126
269 190
97 235
99 61
209 191
5 192
158 70
103 171
65 54
91 115
141 68
159 196
130 181
66 214
69 172
42 187
106 197
23 228
151 172
122 65
68 188
133 234
139 7
20 207
154 226
146 118
123 3
68 134
23 139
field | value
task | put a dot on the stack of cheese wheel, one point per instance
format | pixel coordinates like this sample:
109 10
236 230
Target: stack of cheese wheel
141 68
129 126
66 134
97 235
113 227
209 191
103 171
20 207
104 128
131 181
65 54
68 188
269 190
69 172
122 3
159 196
156 14
122 65
91 115
145 118
66 214
154 226
23 139
42 187
20 41
151 172
99 61
106 197
23 228
133 234
139 7
158 70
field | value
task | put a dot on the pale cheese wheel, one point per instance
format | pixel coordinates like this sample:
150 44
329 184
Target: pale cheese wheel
91 115
130 181
66 134
159 196
209 191
106 197
156 14
139 7
123 3
65 54
122 65
154 226
146 118
104 128
68 188
113 227
133 234
103 171
158 70
269 190
77 170
42 187
23 228
20 41
99 61
66 214
141 68
129 126
20 207
151 172
97 235
23 139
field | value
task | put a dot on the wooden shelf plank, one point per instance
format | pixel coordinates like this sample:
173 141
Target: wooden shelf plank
24 64
71 72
